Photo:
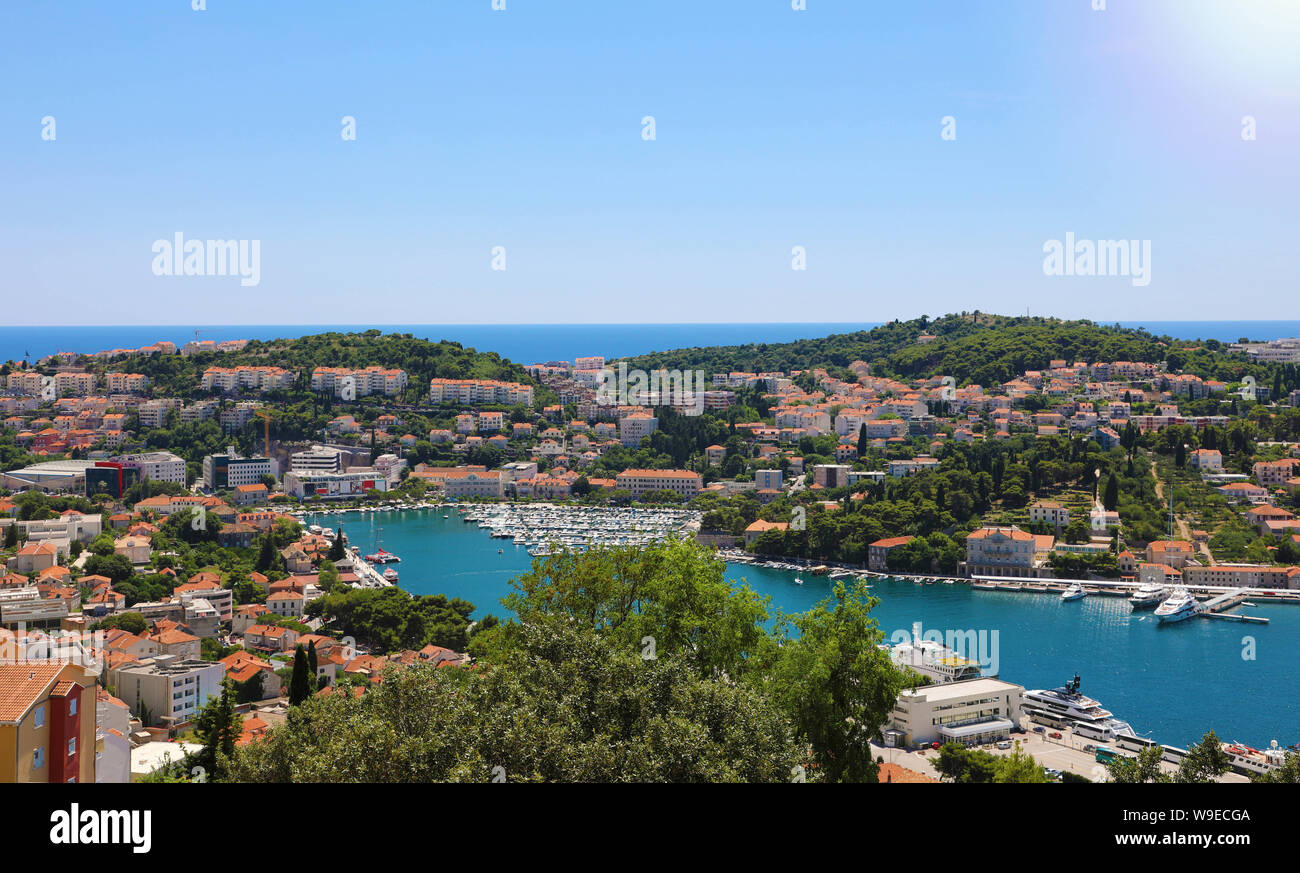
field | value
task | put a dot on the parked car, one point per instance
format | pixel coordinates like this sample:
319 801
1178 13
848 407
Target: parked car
1005 744
1040 729
1056 735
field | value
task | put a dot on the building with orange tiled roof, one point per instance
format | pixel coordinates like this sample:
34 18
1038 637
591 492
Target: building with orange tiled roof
47 723
1004 551
897 773
685 483
878 552
242 667
759 527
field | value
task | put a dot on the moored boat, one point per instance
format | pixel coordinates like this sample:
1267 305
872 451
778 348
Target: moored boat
1180 605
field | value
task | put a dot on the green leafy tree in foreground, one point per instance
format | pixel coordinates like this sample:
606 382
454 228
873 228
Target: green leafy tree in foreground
1205 761
563 705
836 682
1019 767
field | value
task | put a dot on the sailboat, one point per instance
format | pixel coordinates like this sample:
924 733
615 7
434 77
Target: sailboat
380 556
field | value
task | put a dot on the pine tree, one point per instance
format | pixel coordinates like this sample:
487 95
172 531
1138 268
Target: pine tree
218 726
299 682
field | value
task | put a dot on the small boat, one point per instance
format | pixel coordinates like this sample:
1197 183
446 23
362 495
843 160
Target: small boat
382 557
798 581
501 551
1074 592
390 574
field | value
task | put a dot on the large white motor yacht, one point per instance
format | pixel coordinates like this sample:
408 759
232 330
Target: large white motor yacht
1180 605
1066 707
1148 596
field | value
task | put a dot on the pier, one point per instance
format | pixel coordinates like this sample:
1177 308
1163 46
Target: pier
1216 607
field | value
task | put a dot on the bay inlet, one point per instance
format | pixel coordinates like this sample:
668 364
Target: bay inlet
1172 682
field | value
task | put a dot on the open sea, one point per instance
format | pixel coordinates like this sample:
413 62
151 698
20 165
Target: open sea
537 343
1172 682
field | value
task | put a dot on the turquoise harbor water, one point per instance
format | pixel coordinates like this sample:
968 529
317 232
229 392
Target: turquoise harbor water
1170 682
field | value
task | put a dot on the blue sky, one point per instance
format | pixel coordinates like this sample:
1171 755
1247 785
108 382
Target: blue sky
522 128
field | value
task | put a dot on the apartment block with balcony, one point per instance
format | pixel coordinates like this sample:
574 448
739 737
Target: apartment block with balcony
47 723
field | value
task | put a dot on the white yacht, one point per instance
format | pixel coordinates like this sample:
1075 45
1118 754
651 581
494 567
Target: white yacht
1066 707
1148 596
1074 592
1180 605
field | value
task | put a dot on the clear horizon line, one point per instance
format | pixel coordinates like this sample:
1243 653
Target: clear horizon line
646 323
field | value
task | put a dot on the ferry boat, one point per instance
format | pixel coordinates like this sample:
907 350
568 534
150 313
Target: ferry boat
1148 596
1181 605
933 659
1074 592
1066 707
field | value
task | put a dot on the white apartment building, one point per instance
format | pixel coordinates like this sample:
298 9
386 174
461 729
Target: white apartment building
476 391
260 379
235 417
767 479
636 427
321 459
153 413
364 381
1049 512
166 690
157 466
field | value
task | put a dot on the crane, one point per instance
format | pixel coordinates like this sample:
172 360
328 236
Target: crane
265 415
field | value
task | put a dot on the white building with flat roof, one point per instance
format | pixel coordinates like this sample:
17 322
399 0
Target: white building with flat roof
970 712
157 466
166 690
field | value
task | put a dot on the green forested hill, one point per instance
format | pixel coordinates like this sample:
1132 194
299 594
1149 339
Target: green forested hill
973 347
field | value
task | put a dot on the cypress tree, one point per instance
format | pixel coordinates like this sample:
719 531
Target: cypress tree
336 548
299 682
1111 498
266 556
312 663
862 439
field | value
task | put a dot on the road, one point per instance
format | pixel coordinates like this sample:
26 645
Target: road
1065 754
1181 523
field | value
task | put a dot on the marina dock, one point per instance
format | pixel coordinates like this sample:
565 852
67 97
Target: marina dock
1216 607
